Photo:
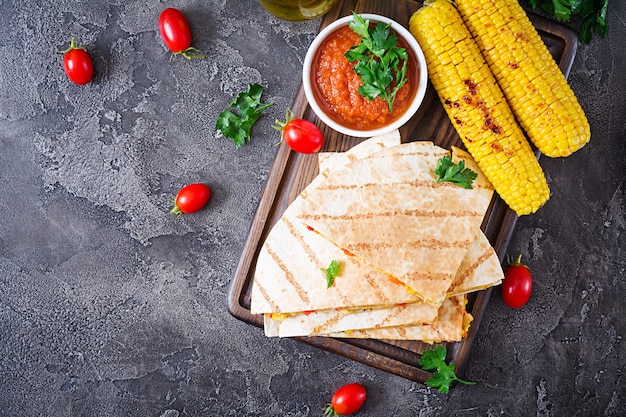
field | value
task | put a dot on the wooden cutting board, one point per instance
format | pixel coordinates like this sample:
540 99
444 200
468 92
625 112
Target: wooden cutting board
291 172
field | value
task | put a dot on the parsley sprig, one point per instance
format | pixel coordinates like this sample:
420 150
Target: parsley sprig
444 374
247 108
380 62
592 13
331 272
446 170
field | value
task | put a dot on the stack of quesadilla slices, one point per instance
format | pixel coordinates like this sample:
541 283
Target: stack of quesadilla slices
409 248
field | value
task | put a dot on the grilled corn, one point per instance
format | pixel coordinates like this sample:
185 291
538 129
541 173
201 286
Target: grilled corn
532 82
477 107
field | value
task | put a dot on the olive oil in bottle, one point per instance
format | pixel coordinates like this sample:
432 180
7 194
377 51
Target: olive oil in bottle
297 10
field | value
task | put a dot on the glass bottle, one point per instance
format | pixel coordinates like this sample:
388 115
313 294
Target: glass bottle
297 10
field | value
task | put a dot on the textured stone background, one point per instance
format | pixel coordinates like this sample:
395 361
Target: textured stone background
110 306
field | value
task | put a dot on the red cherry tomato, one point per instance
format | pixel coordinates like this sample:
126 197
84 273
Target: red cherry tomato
346 400
77 64
303 136
191 198
174 29
517 284
176 32
300 135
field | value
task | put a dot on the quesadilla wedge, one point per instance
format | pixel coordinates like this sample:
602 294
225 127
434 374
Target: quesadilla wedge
480 268
389 211
451 326
288 277
326 321
399 309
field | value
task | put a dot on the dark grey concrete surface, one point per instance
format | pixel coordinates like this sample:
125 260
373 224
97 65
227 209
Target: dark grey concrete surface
111 307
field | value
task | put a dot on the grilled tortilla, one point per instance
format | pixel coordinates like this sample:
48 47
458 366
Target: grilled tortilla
388 210
479 269
451 326
302 310
288 276
327 321
332 160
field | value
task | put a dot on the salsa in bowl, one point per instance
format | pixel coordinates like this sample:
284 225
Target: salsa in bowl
355 85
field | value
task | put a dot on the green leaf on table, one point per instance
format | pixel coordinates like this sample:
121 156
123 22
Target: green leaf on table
591 12
236 123
444 375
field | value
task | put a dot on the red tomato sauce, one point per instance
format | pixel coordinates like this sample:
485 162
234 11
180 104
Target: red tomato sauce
336 85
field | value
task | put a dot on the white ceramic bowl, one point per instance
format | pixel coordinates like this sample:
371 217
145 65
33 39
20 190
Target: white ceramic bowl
307 77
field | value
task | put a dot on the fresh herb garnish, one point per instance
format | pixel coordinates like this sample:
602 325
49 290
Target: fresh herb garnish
237 125
380 63
592 13
446 170
444 374
331 272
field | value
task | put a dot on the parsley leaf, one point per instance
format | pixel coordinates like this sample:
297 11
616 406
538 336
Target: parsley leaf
592 13
446 170
247 108
444 373
331 272
380 63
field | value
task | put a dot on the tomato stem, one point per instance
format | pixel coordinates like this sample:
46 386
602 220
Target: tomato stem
176 210
186 55
72 46
517 262
329 411
280 125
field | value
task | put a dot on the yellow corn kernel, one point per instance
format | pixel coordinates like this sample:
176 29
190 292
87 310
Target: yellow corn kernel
477 108
537 80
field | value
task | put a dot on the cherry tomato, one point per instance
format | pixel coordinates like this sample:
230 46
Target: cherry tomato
77 64
346 400
176 33
300 135
191 198
517 284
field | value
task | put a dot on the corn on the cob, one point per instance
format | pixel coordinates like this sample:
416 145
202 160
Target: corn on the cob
531 80
477 108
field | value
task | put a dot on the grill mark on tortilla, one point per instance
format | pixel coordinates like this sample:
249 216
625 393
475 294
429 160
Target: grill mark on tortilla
289 276
393 153
368 278
429 276
298 237
414 183
322 328
265 295
471 268
397 311
311 254
412 213
421 243
380 295
322 177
